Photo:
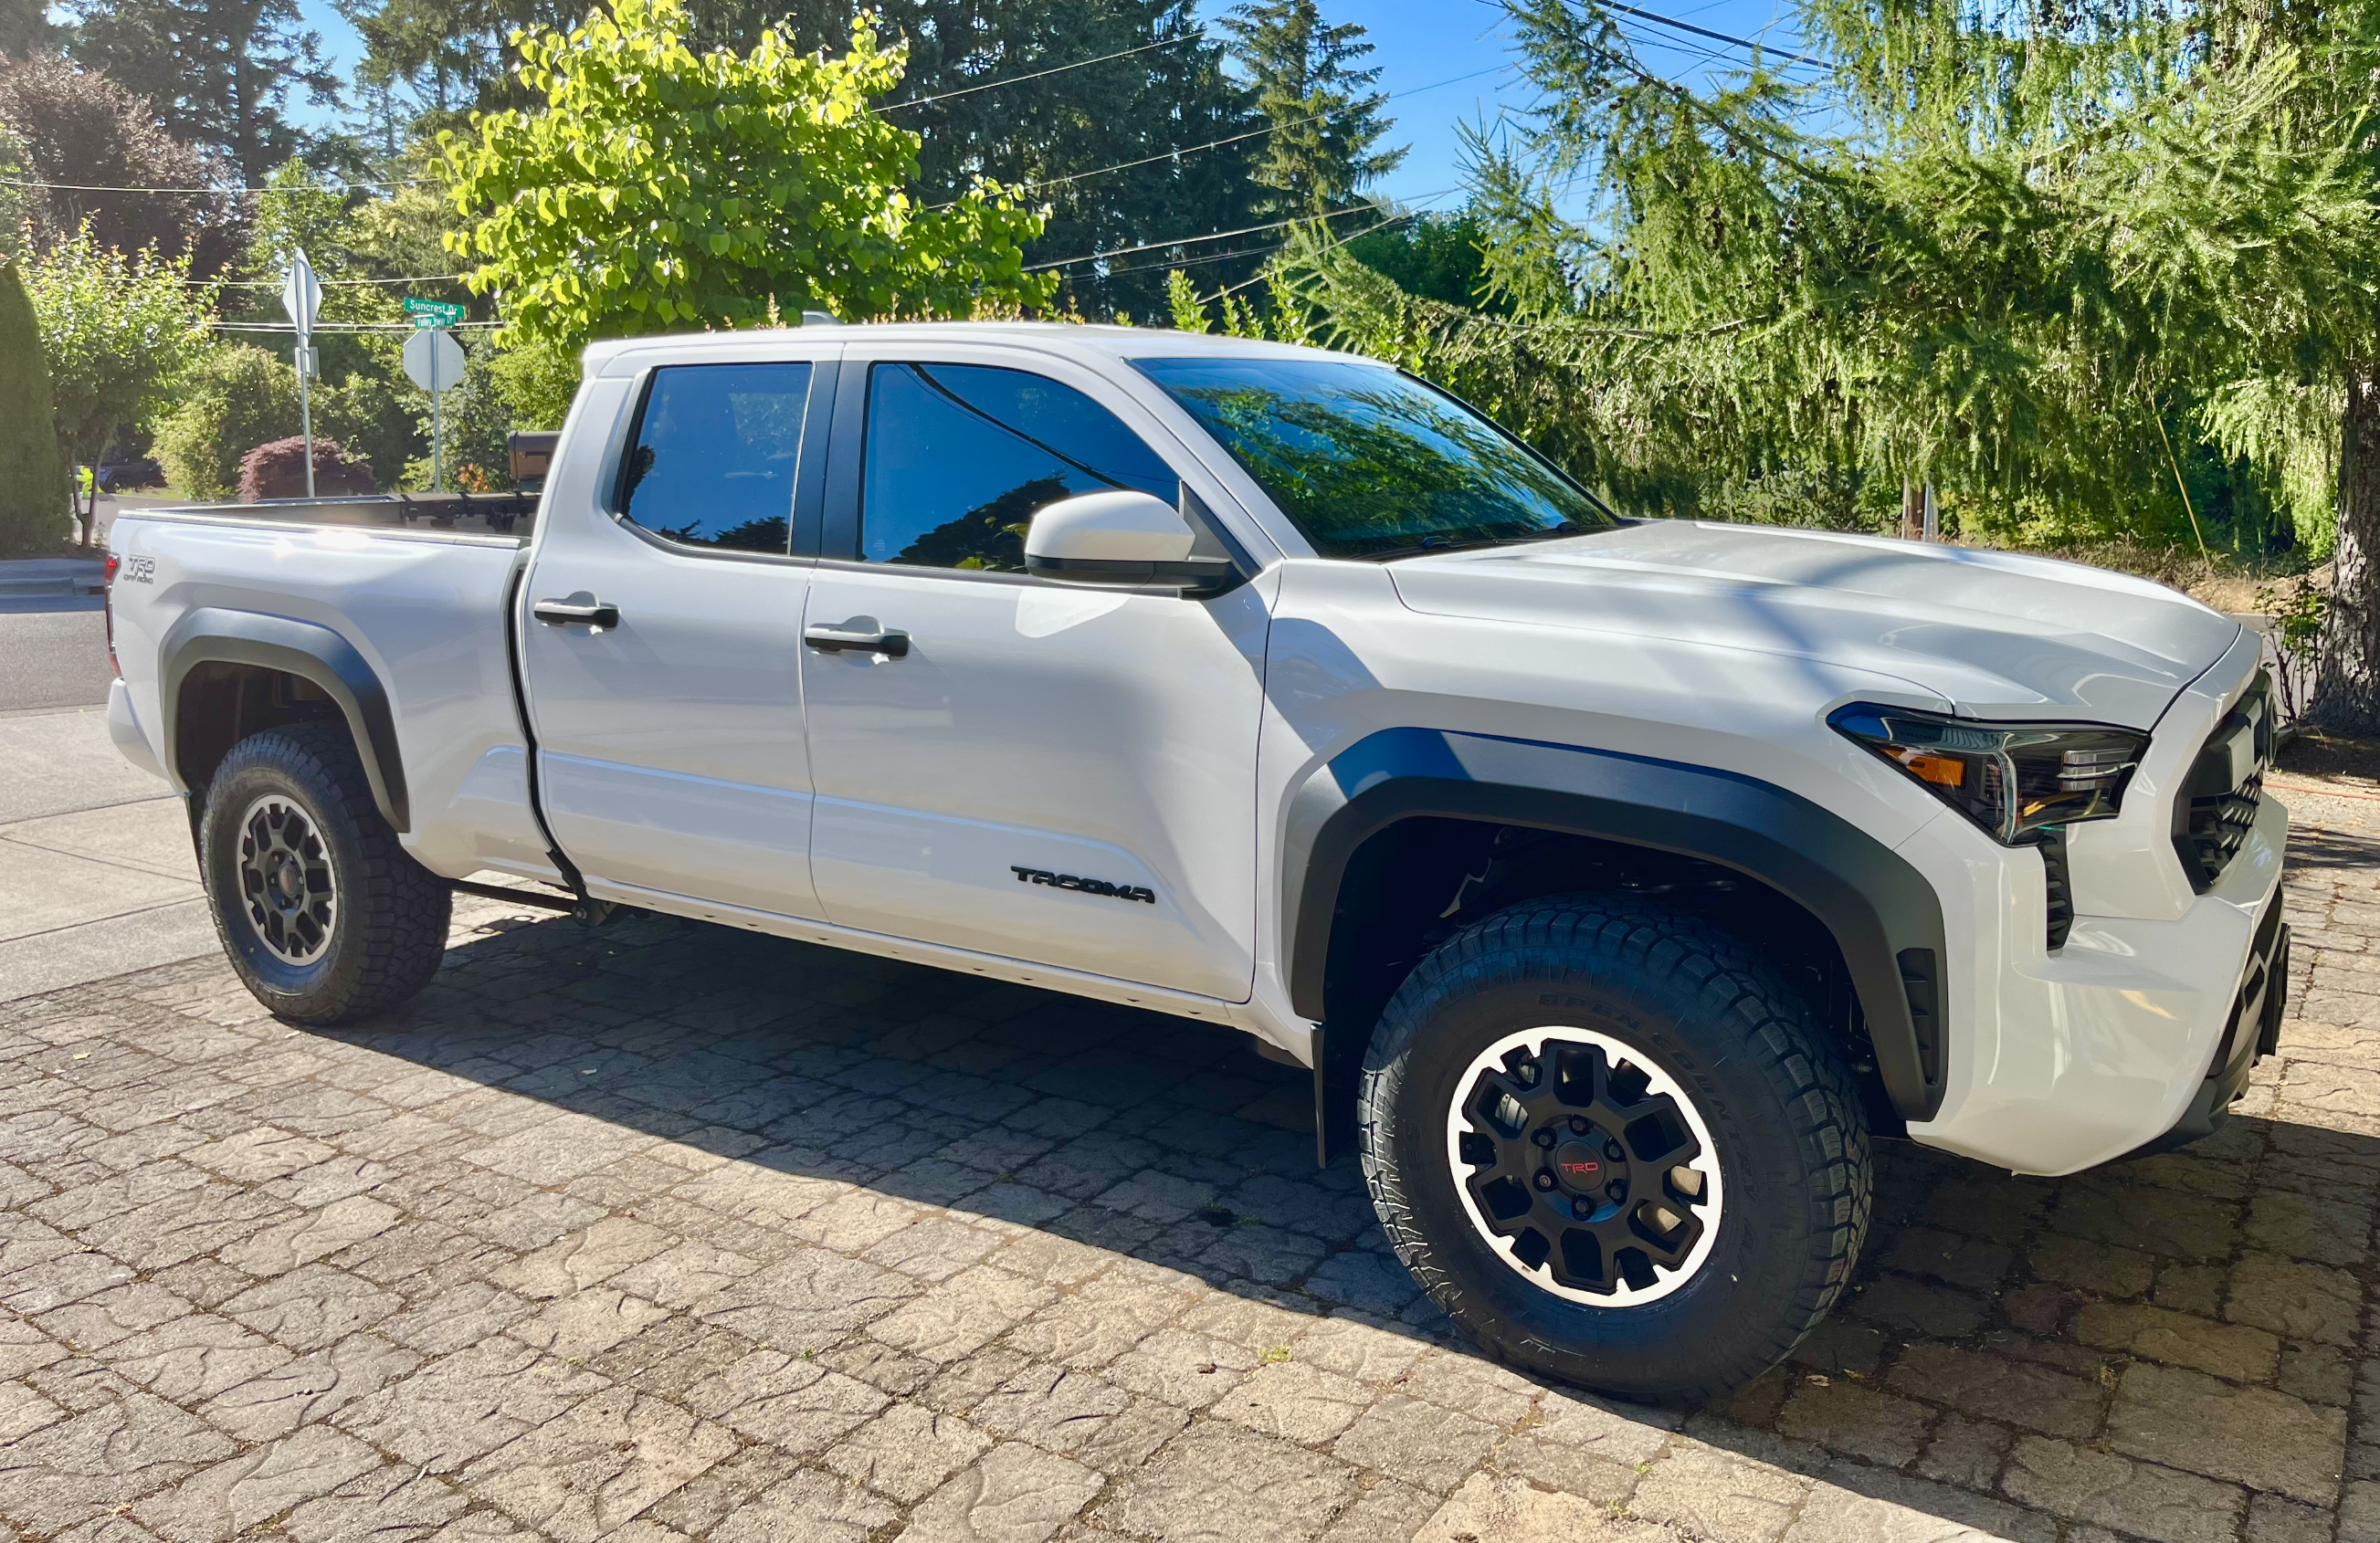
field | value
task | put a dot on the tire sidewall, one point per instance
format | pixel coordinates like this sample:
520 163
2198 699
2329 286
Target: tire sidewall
308 991
1699 1333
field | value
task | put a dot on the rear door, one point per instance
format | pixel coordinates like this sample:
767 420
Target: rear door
1052 774
662 648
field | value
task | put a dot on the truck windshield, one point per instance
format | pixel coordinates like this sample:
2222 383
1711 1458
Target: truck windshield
1367 462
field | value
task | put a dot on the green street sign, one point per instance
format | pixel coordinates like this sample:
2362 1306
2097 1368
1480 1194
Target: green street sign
433 313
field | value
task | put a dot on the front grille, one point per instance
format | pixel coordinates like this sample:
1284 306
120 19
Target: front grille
2216 806
2060 886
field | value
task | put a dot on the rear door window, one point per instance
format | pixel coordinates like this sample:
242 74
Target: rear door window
712 460
960 456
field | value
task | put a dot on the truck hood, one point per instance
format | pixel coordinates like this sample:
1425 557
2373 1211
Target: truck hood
1996 634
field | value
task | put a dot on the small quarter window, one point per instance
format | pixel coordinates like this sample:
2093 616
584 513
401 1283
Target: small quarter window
960 456
713 457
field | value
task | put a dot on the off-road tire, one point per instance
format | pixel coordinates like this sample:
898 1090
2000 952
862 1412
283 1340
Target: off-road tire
388 926
1792 1143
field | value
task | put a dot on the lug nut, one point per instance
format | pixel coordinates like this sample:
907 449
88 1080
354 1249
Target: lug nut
1578 1125
1545 1179
1582 1210
1543 1137
1617 1189
1611 1150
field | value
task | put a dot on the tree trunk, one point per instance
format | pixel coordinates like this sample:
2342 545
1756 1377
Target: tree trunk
2347 694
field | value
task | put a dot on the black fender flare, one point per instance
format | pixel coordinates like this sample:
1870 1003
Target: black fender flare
218 636
1882 913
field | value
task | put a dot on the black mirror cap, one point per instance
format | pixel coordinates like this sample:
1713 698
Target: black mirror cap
1199 577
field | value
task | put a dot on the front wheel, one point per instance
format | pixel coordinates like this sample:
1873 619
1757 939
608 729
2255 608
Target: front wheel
324 915
1614 1147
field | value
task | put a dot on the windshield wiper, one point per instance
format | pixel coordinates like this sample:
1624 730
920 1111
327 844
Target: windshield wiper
1432 548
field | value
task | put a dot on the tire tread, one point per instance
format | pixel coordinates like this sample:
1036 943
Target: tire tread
1732 987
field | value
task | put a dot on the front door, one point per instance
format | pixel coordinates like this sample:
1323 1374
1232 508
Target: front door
662 645
1052 774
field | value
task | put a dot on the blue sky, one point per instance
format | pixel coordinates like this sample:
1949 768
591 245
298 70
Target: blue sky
1447 61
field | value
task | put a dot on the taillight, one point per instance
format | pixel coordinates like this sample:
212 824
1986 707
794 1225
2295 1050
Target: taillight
108 607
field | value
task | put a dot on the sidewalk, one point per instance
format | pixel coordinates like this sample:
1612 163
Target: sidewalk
96 872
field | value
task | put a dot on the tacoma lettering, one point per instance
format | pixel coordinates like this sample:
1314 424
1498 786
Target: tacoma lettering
1088 887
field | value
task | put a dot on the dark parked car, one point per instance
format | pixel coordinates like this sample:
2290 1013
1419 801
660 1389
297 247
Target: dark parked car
123 476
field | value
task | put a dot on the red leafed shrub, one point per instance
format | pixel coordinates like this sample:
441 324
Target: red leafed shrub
278 471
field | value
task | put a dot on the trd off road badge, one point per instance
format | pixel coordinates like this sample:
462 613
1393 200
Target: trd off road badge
1088 887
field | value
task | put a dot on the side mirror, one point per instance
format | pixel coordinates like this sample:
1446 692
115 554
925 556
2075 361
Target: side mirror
1123 539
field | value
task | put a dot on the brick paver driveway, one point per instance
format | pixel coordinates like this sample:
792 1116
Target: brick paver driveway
663 1230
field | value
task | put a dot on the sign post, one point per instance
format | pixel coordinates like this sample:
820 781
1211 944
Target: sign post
434 361
301 296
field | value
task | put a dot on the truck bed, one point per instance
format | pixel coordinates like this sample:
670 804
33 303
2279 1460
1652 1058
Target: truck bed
502 516
417 587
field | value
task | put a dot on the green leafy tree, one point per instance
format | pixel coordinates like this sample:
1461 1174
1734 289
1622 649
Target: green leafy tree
32 478
1155 141
661 188
1310 86
1436 257
115 329
231 399
535 381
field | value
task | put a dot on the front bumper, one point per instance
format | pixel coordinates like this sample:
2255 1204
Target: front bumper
2252 1032
2132 1036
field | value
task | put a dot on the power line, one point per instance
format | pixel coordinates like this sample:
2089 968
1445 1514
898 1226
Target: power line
219 192
1055 69
1189 240
339 326
1753 45
334 283
1218 235
1656 17
1231 140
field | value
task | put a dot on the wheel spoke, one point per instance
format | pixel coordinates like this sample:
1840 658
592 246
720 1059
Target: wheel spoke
1583 1166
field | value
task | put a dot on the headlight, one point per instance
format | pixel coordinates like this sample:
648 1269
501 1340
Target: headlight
2011 778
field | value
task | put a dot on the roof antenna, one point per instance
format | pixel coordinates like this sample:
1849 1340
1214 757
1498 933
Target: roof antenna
819 318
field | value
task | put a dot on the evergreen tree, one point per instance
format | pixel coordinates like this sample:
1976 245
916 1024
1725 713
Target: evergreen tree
219 72
32 475
25 28
1325 145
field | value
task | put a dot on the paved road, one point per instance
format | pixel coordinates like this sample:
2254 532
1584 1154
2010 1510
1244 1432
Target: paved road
664 1231
53 653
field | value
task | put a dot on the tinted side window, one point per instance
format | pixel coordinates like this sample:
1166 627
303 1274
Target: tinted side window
959 457
712 463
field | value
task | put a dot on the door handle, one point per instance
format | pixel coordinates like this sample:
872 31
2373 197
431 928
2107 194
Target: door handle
858 635
581 609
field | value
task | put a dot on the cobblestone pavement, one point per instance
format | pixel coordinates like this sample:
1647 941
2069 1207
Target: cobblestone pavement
663 1230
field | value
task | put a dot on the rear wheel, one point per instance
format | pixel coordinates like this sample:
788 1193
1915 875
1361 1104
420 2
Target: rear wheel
324 915
1613 1147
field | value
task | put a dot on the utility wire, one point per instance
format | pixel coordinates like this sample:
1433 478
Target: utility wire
1218 235
334 283
219 192
1700 31
1231 140
339 326
1054 69
1189 240
1671 21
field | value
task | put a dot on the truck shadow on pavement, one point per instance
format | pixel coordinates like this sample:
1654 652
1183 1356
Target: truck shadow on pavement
1101 1231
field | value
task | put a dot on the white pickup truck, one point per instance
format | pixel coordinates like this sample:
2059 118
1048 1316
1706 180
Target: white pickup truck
1620 880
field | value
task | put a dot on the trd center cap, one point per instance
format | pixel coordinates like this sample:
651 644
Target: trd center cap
1579 1165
